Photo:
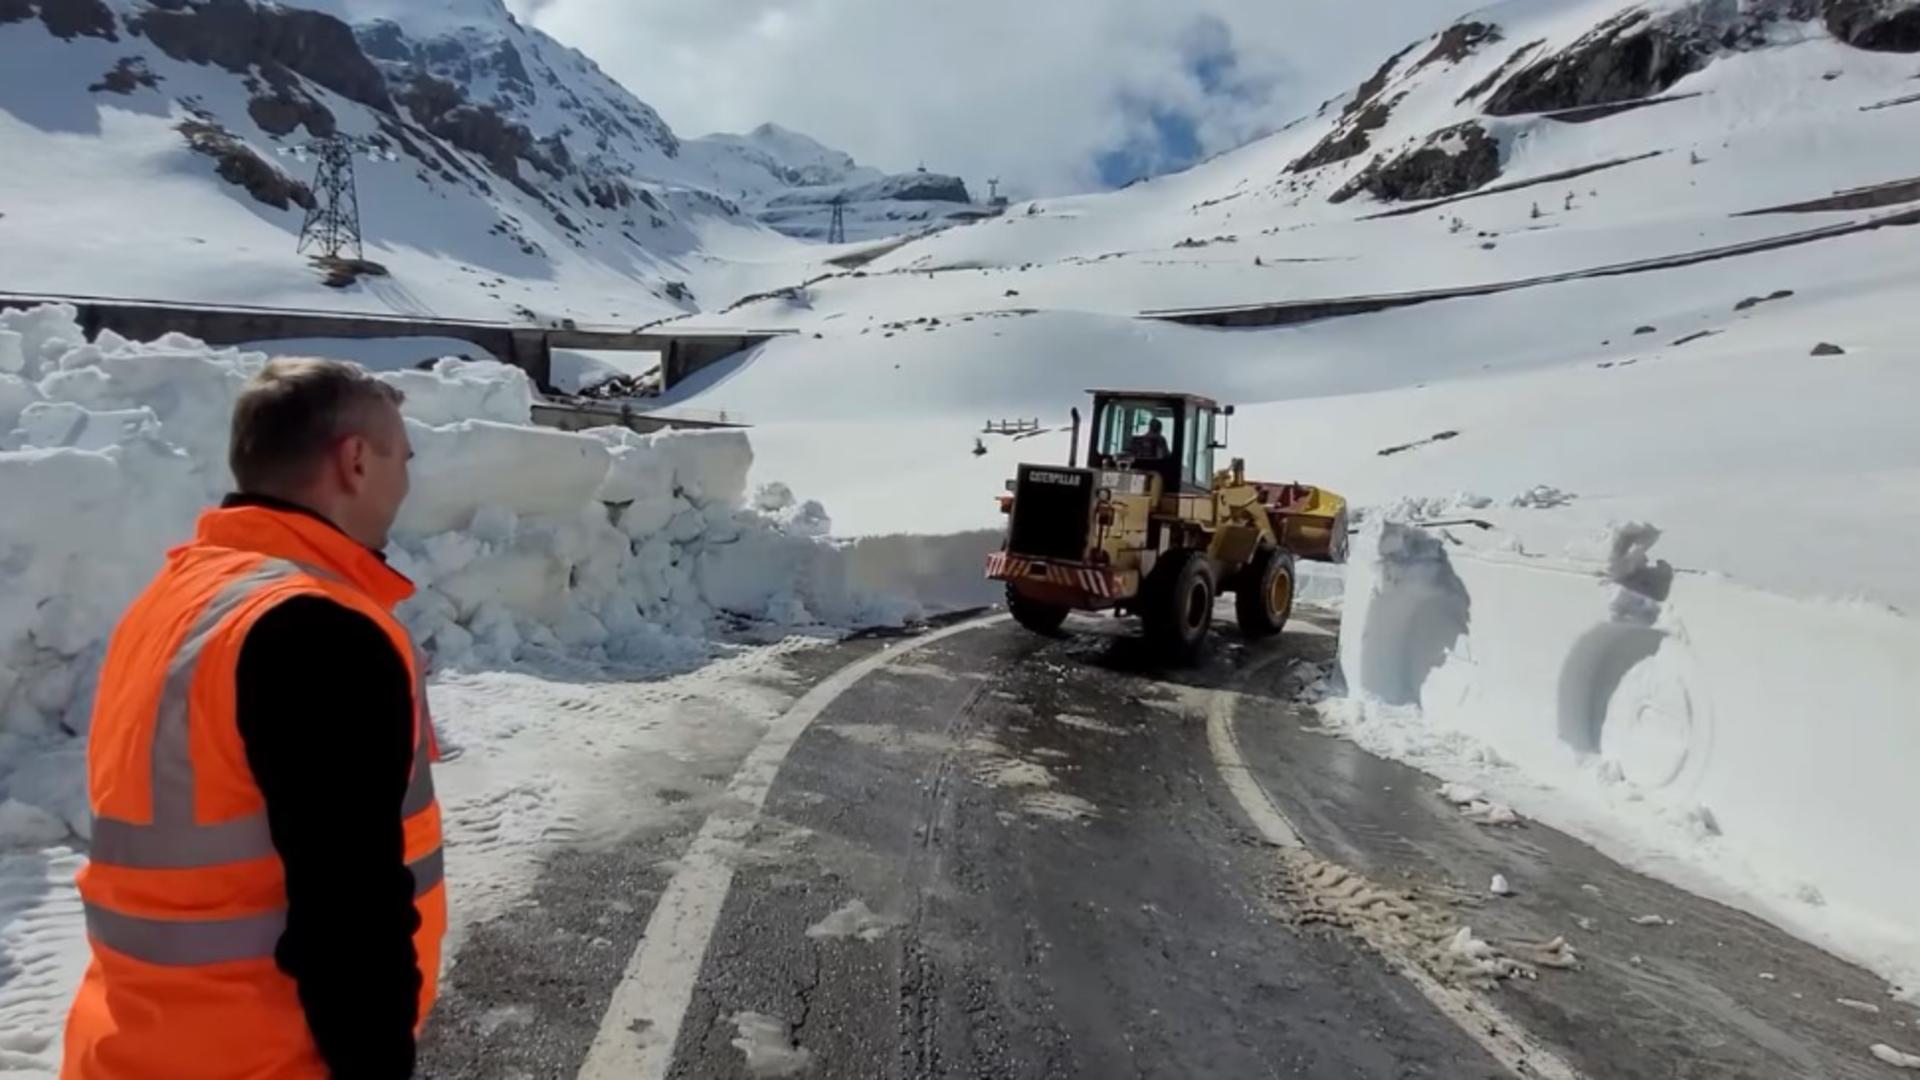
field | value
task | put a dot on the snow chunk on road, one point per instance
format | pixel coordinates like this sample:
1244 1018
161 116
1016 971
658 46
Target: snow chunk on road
1899 1059
769 1049
856 920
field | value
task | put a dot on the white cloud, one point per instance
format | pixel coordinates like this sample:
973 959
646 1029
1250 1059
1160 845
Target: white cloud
1031 90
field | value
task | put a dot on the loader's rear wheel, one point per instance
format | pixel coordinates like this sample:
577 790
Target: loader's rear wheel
1035 616
1177 604
1264 599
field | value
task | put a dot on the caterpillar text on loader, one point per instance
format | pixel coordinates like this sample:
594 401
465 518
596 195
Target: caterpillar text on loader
1149 528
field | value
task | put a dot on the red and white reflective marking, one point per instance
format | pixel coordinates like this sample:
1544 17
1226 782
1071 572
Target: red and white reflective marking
1004 567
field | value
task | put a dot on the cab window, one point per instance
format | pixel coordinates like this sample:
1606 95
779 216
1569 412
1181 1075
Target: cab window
1127 429
1197 468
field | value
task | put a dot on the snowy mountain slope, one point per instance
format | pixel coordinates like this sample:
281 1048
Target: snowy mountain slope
771 156
1754 408
523 180
1756 127
790 182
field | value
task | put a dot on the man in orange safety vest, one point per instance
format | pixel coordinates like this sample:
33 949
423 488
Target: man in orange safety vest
264 894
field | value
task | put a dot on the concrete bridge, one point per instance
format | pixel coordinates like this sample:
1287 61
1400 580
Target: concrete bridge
529 348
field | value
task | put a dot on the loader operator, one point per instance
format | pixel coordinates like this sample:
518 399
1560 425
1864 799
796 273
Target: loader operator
264 894
1149 447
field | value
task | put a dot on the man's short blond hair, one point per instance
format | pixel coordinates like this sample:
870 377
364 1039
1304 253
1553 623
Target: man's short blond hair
290 415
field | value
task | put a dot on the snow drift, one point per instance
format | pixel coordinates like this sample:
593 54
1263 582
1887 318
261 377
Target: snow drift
607 546
1687 723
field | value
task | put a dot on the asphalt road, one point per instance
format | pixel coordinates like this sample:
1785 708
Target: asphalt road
1010 856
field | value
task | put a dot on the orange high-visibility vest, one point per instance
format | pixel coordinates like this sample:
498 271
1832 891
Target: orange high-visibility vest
185 896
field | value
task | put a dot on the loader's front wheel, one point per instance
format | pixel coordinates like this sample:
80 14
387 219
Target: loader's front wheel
1035 616
1264 599
1177 604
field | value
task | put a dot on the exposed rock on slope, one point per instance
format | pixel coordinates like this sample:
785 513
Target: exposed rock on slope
277 41
236 163
1452 161
1880 25
1639 53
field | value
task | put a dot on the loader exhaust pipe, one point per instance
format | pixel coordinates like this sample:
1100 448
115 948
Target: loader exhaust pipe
1073 451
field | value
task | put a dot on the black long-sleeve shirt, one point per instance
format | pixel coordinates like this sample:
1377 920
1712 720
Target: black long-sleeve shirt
325 710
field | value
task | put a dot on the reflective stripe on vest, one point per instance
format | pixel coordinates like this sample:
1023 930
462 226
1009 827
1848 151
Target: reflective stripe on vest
175 841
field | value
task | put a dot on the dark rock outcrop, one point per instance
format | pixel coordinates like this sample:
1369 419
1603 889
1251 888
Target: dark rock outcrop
443 109
1364 113
383 39
237 164
236 35
128 75
284 109
68 19
1459 41
12 11
1353 137
931 187
1450 162
1624 58
1498 73
1637 55
1879 25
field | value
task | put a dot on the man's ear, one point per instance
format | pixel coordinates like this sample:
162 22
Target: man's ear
350 459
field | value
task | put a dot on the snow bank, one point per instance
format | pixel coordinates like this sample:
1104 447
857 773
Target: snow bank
1755 747
607 545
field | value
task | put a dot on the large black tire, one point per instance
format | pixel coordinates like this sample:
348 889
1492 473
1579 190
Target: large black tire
1177 606
1035 616
1263 593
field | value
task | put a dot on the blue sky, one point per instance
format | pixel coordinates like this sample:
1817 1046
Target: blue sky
1163 138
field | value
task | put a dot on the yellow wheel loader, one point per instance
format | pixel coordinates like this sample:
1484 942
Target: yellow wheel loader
1149 528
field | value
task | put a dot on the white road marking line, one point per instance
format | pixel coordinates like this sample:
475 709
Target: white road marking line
1254 801
642 1022
1484 1022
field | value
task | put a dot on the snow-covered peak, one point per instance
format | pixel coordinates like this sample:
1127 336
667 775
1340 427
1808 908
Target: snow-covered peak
790 181
422 18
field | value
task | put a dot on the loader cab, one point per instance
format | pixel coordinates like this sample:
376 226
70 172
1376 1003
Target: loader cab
1174 435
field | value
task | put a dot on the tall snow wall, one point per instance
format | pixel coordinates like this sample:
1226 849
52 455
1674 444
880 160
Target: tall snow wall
1758 747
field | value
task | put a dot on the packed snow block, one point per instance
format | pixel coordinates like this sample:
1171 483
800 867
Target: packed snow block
763 574
53 424
460 468
708 466
13 353
639 486
55 783
82 531
16 394
45 333
938 572
456 390
1778 729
